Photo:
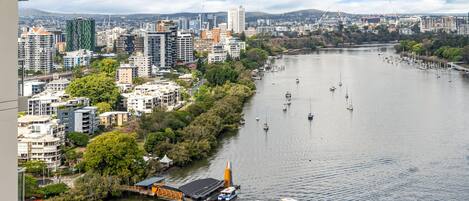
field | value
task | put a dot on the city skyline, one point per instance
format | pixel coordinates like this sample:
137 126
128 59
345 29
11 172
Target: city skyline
269 6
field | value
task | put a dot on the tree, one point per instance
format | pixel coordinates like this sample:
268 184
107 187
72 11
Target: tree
115 154
242 36
30 185
35 167
221 75
465 54
92 187
138 81
103 107
71 157
97 87
54 189
78 139
107 66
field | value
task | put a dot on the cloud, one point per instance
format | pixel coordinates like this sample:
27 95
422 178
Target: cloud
273 6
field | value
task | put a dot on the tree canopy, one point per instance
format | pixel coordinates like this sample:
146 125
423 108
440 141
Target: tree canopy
97 87
107 66
115 154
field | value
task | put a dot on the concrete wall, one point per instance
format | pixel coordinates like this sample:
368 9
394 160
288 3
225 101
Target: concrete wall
8 98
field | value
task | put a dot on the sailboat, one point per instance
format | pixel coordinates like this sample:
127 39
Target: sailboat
350 106
297 80
310 115
288 102
346 94
340 79
284 107
288 95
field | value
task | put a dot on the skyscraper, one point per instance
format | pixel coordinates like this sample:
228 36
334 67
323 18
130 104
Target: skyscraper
161 45
81 34
185 47
236 19
35 49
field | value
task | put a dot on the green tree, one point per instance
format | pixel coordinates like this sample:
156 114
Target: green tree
97 87
103 107
115 154
138 81
54 189
221 75
107 66
465 54
35 167
30 185
78 139
92 187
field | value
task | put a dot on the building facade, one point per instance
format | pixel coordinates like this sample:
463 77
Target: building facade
111 119
36 50
129 44
236 19
77 58
185 47
57 85
81 119
40 138
81 34
143 64
126 73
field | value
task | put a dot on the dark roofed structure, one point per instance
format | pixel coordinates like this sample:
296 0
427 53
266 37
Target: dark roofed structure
149 182
202 188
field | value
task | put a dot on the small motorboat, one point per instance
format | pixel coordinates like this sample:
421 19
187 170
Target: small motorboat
257 119
284 107
332 89
287 199
310 116
228 194
297 80
288 102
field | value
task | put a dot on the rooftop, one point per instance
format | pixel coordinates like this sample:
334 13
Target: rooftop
201 188
150 181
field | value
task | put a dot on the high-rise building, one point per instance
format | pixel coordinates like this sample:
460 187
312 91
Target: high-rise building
161 45
129 44
236 19
185 47
143 64
35 50
81 34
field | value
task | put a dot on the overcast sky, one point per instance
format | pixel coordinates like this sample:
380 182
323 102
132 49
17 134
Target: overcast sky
272 6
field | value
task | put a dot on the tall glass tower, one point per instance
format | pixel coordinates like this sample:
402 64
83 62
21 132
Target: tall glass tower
81 34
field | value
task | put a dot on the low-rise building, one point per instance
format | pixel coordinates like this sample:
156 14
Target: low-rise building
33 87
218 54
77 58
57 85
82 119
41 104
115 118
151 95
40 138
126 73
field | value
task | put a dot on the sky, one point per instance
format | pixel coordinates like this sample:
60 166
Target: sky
270 6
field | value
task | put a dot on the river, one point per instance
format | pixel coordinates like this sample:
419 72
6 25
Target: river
407 138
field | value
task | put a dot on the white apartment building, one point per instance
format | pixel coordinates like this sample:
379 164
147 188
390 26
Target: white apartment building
33 88
143 64
236 19
234 47
40 138
218 54
185 47
77 58
41 104
36 49
57 85
150 95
